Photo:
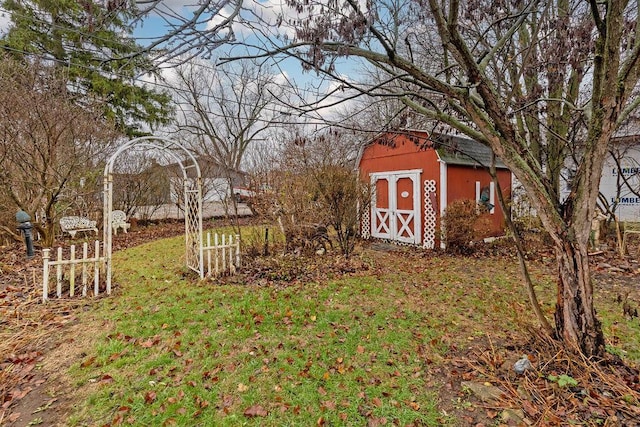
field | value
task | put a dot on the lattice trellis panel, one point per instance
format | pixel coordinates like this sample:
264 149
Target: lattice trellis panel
374 201
366 222
429 240
193 229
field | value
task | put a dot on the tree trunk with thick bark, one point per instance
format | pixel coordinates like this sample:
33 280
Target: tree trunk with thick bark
575 316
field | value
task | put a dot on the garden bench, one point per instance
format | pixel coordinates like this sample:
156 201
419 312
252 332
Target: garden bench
119 220
73 224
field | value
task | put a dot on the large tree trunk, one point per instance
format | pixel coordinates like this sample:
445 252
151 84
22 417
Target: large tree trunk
575 316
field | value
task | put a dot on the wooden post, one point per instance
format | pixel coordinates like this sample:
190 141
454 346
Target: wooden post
230 252
59 274
208 253
231 257
265 250
96 269
237 252
224 254
107 248
45 275
85 251
72 271
217 253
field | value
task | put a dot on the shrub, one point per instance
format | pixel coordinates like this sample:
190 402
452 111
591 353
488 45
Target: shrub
261 240
464 223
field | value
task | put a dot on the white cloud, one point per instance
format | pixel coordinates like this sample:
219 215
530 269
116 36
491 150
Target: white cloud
265 17
166 5
270 17
337 101
5 22
179 3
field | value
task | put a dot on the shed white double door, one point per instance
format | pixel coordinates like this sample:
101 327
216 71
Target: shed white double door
395 206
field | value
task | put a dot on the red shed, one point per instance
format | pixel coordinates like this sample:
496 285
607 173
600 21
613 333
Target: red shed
414 177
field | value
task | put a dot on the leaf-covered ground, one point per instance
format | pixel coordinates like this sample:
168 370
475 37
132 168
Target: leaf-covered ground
29 330
474 307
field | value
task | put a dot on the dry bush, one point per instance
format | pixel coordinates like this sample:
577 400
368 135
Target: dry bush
316 194
317 207
261 241
50 145
8 233
340 196
464 224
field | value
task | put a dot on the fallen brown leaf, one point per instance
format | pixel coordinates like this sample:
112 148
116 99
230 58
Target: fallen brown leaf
255 411
88 362
150 397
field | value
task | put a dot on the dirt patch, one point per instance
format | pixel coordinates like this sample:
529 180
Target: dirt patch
31 391
482 387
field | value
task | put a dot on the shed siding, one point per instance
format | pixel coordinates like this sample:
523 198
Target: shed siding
461 184
405 156
402 153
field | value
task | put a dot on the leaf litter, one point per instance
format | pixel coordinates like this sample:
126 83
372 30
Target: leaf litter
28 328
607 392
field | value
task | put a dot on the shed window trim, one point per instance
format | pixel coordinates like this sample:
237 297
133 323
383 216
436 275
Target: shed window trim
492 196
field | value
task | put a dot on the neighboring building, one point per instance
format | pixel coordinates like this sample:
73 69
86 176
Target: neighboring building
218 183
167 183
621 175
414 177
620 179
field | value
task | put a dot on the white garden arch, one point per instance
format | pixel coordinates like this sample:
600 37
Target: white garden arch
192 200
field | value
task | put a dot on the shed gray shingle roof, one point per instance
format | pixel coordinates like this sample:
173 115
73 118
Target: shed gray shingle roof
455 150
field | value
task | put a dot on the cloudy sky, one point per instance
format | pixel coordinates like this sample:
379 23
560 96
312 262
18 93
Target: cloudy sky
270 17
266 11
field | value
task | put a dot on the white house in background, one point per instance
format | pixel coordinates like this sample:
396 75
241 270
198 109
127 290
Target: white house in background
218 183
621 177
213 189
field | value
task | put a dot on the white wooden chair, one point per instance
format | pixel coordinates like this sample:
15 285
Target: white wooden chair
119 220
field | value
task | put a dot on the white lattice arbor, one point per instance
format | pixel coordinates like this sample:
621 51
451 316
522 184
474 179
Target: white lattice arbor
192 199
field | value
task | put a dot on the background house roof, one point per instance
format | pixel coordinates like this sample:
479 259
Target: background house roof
211 169
456 150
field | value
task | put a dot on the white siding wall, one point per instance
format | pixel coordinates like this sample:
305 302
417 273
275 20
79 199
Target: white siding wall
628 207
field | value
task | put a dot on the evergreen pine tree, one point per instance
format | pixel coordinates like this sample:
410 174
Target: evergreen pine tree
95 46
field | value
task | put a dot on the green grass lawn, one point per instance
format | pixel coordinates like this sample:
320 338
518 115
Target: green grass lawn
366 348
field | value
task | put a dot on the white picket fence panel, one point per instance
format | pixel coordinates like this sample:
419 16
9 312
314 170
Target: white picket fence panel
87 265
223 257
